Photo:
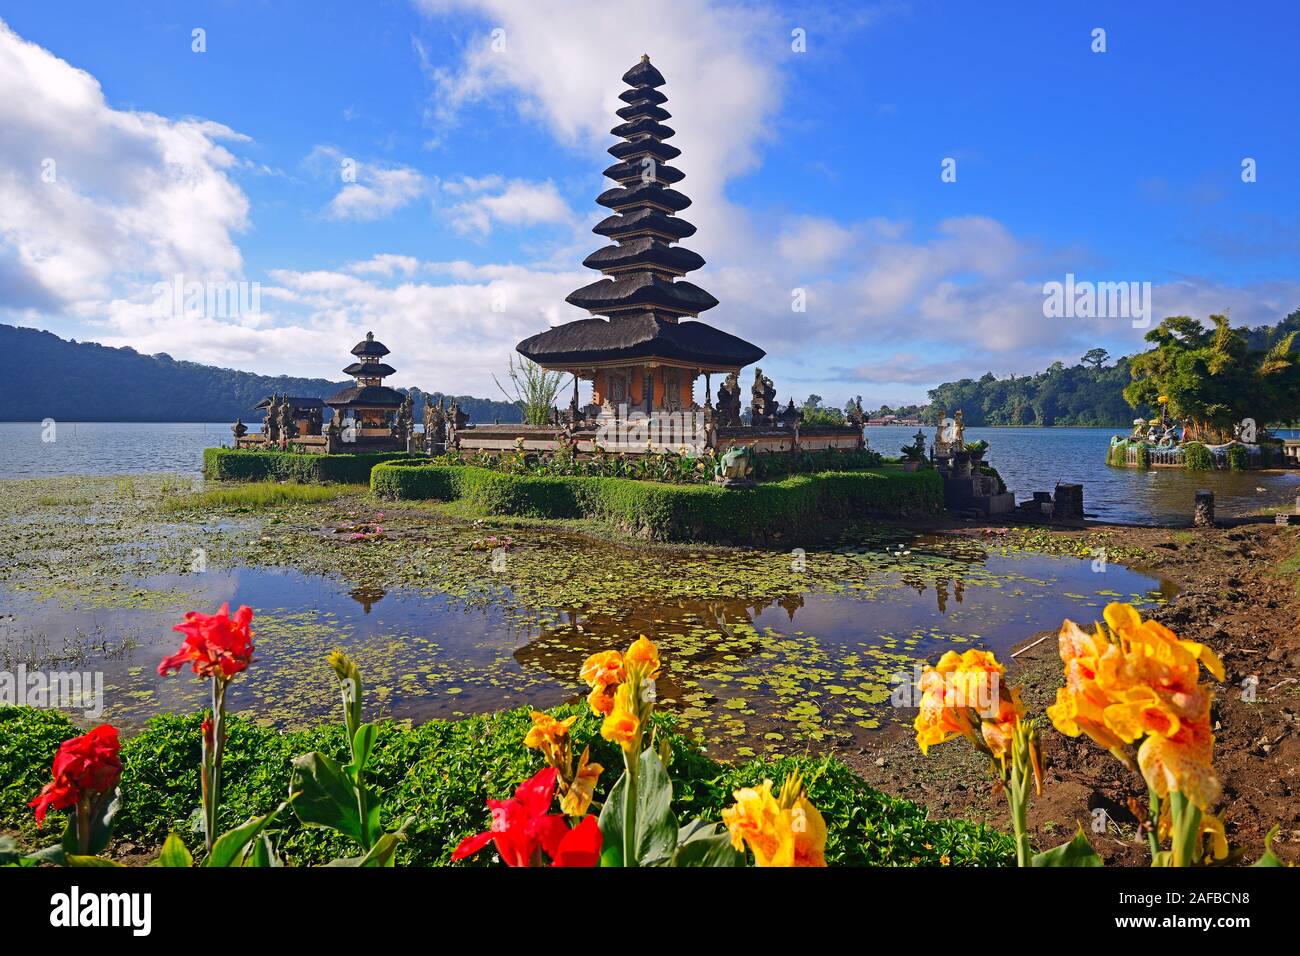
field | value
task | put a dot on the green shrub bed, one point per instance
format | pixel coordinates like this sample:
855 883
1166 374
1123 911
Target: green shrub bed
672 512
1197 457
247 464
441 772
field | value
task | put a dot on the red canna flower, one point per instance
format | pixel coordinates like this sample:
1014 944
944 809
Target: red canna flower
216 644
523 828
85 764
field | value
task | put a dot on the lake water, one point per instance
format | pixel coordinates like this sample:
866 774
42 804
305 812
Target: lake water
1029 459
747 676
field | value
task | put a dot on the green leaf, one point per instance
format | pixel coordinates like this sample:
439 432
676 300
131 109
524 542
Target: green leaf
656 827
701 843
174 853
363 744
230 846
262 853
383 853
323 795
1269 858
9 852
101 827
1077 852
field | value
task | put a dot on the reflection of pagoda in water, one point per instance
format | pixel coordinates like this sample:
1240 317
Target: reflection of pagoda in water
367 597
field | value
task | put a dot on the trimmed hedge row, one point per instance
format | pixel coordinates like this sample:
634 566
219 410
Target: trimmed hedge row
243 464
672 512
441 772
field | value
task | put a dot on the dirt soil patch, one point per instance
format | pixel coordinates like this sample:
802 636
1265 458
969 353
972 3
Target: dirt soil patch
1239 595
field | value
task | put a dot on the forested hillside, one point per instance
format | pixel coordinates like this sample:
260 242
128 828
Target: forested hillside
50 377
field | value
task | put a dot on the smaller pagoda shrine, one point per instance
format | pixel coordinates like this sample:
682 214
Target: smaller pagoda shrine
369 414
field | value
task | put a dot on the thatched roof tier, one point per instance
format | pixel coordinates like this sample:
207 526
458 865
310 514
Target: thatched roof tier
643 95
643 222
659 152
369 369
366 396
647 252
643 74
636 111
640 337
370 346
636 171
643 127
644 194
296 402
644 290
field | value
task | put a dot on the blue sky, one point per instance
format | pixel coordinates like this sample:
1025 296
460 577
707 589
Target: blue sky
477 166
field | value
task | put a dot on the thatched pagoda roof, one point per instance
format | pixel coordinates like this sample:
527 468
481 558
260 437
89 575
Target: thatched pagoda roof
640 336
369 369
366 396
370 346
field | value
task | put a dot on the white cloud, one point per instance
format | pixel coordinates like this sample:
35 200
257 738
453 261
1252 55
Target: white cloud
370 190
492 200
92 197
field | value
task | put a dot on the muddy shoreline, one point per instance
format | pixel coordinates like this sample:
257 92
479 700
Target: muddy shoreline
1238 594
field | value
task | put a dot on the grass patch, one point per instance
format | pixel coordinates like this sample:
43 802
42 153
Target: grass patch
442 772
257 495
246 464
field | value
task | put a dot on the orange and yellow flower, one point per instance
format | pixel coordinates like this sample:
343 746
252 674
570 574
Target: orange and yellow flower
643 652
784 830
603 673
551 737
577 798
963 694
622 726
1142 684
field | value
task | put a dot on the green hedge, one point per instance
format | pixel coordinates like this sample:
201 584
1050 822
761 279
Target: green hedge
672 512
1197 457
442 772
246 464
1238 458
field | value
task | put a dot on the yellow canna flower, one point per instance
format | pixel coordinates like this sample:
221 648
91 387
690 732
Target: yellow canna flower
622 726
603 667
784 830
603 673
1144 686
807 827
577 798
964 693
644 652
757 821
550 736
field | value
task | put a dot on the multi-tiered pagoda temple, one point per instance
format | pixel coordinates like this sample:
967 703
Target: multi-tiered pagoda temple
369 406
643 347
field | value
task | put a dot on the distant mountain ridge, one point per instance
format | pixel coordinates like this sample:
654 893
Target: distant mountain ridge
66 380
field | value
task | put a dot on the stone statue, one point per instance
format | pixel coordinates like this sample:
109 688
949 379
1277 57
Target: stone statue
270 422
239 429
404 420
958 430
940 441
288 429
435 426
729 402
763 406
733 467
